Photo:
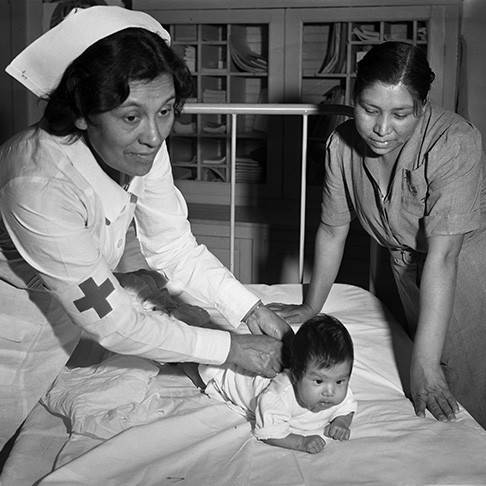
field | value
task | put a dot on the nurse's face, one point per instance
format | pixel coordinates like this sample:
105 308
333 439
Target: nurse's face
128 137
385 117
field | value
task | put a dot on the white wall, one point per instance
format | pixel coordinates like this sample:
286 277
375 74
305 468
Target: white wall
474 33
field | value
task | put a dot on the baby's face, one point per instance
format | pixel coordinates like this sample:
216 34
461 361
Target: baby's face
322 388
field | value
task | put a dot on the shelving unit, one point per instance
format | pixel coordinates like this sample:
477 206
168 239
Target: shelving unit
229 63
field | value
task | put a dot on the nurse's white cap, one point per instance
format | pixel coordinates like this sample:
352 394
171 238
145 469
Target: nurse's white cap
40 65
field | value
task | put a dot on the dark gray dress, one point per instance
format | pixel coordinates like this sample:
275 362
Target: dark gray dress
437 189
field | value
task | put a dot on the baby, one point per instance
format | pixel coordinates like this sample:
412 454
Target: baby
308 400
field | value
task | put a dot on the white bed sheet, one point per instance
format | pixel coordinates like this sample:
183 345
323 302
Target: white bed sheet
204 442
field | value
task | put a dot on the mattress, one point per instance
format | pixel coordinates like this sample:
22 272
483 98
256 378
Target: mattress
196 440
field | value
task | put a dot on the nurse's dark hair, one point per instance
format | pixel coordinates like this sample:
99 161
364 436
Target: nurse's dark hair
393 63
98 80
322 341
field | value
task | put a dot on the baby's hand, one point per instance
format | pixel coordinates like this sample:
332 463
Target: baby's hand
313 444
337 430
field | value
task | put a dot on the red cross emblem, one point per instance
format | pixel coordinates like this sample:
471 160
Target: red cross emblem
95 297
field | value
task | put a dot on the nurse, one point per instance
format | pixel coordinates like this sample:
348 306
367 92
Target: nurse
69 188
412 173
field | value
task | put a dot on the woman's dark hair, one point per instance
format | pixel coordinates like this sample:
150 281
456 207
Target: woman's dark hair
322 341
393 63
98 80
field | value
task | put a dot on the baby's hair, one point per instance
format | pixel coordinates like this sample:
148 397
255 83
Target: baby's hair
322 340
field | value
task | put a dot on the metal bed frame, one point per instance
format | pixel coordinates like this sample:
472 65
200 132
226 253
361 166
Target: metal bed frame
303 110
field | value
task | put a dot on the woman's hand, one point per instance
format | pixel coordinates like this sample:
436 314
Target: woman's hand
429 390
293 313
265 321
261 355
428 384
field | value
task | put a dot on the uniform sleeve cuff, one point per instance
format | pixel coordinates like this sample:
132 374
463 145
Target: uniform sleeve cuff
213 346
254 308
236 303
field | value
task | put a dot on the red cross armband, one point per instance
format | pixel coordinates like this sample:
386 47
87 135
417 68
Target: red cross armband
97 297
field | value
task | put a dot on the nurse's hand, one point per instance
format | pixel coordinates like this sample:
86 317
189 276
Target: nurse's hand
293 313
264 321
260 355
429 390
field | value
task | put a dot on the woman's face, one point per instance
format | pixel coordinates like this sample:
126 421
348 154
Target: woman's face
128 137
322 388
385 117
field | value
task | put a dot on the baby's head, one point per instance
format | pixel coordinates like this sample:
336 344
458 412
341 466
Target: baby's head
321 360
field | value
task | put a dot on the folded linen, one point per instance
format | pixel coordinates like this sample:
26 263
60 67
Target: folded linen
102 400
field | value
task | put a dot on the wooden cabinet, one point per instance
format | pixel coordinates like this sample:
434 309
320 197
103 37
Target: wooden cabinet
266 247
215 235
299 51
294 52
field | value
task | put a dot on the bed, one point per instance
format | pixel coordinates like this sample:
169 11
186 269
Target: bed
187 438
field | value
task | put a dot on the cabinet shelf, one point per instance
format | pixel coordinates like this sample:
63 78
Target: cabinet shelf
184 135
214 43
222 136
224 72
326 75
372 43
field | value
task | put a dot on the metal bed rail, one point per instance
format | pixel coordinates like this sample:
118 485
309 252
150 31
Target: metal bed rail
303 110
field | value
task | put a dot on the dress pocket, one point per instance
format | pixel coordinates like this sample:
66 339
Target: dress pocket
414 191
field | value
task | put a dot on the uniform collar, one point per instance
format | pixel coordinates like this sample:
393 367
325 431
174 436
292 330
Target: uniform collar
113 197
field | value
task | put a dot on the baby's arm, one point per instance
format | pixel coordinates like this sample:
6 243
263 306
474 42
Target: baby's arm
338 428
273 414
311 443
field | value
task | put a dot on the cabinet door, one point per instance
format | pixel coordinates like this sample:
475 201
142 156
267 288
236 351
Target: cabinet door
235 57
216 237
323 47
